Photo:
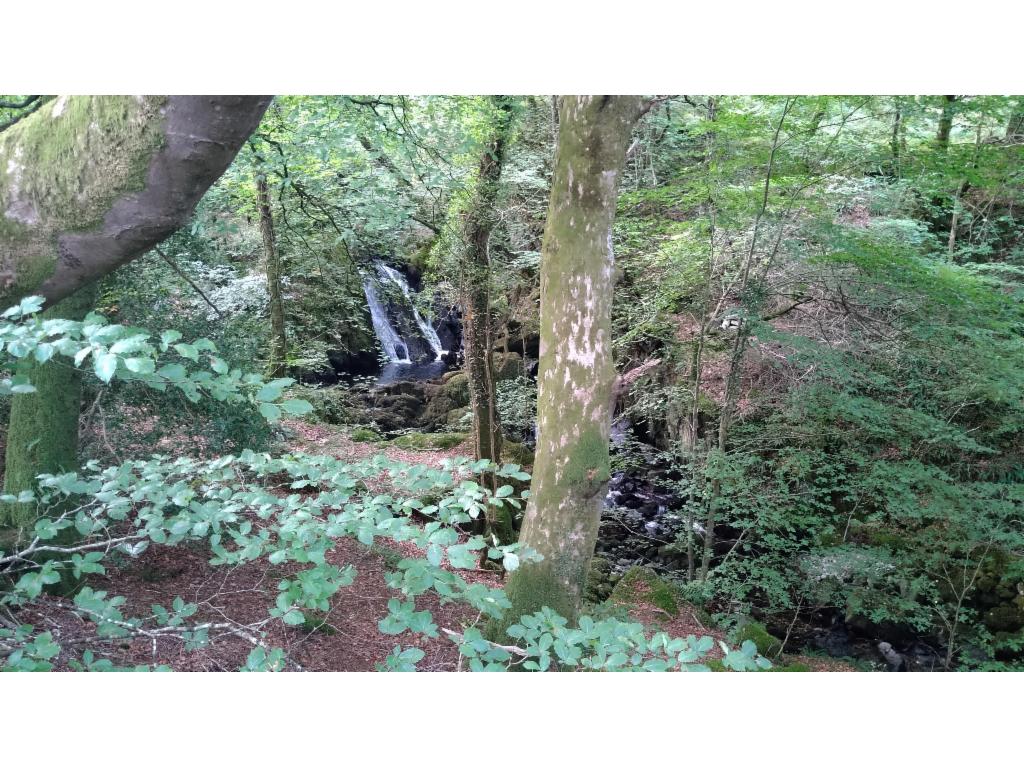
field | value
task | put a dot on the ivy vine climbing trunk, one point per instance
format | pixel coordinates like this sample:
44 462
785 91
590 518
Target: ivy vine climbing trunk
42 433
476 319
278 340
88 183
576 374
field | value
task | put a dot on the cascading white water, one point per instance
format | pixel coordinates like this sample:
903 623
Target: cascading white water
396 349
426 328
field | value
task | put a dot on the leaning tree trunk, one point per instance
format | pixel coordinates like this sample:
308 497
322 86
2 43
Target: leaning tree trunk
476 321
42 434
278 340
88 183
576 375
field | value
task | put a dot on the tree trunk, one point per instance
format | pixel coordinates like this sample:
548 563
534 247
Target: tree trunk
945 123
897 131
88 183
42 433
576 375
1015 125
278 340
476 321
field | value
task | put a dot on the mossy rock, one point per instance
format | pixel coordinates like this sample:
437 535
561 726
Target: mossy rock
516 453
430 441
364 435
642 585
1007 617
456 390
767 644
599 584
454 417
506 366
796 666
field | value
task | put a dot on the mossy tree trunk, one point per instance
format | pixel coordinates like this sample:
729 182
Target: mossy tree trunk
476 319
42 435
945 123
1015 125
88 183
576 375
897 135
278 340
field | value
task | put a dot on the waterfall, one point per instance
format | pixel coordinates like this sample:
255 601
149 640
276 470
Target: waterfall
403 315
426 328
394 347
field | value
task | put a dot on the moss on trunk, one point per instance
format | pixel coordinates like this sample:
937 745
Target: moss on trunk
576 375
90 182
278 340
476 270
42 435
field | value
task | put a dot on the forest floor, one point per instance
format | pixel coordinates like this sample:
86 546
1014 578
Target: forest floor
346 638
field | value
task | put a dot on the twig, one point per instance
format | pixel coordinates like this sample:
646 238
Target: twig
188 280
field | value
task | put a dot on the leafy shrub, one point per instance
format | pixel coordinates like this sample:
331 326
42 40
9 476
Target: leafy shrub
517 408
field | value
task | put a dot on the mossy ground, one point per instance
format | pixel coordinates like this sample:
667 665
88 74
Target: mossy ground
516 453
640 584
767 644
428 441
364 435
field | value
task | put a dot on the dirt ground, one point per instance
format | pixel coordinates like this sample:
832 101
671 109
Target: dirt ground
346 638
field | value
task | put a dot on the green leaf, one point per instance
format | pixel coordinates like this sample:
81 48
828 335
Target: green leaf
268 393
140 365
105 365
296 407
270 411
187 351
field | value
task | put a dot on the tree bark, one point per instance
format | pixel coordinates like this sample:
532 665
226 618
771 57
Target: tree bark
576 375
897 131
42 433
88 183
1015 125
476 321
945 123
278 340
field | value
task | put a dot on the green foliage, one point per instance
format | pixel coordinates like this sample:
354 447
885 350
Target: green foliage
517 407
364 435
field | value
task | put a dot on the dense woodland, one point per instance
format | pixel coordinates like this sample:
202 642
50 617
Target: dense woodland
512 382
